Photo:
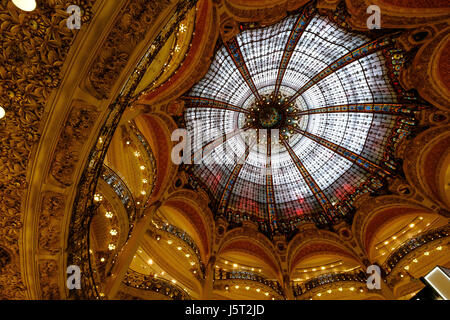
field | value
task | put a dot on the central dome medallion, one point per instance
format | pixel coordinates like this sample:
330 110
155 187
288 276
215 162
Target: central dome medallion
319 101
273 112
269 117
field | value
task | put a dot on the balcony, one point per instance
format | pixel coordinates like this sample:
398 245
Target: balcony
413 244
228 277
162 286
183 236
121 190
325 279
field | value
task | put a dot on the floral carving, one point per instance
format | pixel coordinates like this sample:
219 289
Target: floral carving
33 49
11 284
132 23
50 222
48 270
76 131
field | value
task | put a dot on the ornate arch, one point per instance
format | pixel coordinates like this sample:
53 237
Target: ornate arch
312 241
426 159
195 210
431 66
249 240
157 129
374 212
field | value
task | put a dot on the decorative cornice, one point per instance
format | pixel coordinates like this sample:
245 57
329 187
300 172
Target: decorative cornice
34 48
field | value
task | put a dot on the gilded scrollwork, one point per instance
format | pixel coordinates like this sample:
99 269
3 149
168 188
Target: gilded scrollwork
131 24
76 130
33 50
48 272
50 222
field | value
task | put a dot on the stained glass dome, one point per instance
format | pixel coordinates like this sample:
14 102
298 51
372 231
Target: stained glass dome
292 121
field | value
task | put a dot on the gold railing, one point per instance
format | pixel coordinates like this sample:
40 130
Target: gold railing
220 274
412 244
325 279
84 206
158 285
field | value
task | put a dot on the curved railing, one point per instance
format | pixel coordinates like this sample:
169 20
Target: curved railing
245 275
84 209
149 155
183 236
324 279
145 282
412 244
121 190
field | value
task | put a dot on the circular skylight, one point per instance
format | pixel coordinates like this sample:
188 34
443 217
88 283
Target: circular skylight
291 120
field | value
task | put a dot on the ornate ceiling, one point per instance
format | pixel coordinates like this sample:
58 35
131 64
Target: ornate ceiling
87 180
327 91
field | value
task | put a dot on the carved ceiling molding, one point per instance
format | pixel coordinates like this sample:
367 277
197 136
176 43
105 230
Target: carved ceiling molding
397 14
132 23
76 131
62 167
430 66
414 164
266 12
34 48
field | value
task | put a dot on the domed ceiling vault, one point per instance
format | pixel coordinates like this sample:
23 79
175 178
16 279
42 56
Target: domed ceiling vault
294 120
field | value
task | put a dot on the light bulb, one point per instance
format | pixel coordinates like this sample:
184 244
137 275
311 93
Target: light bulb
25 5
2 112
